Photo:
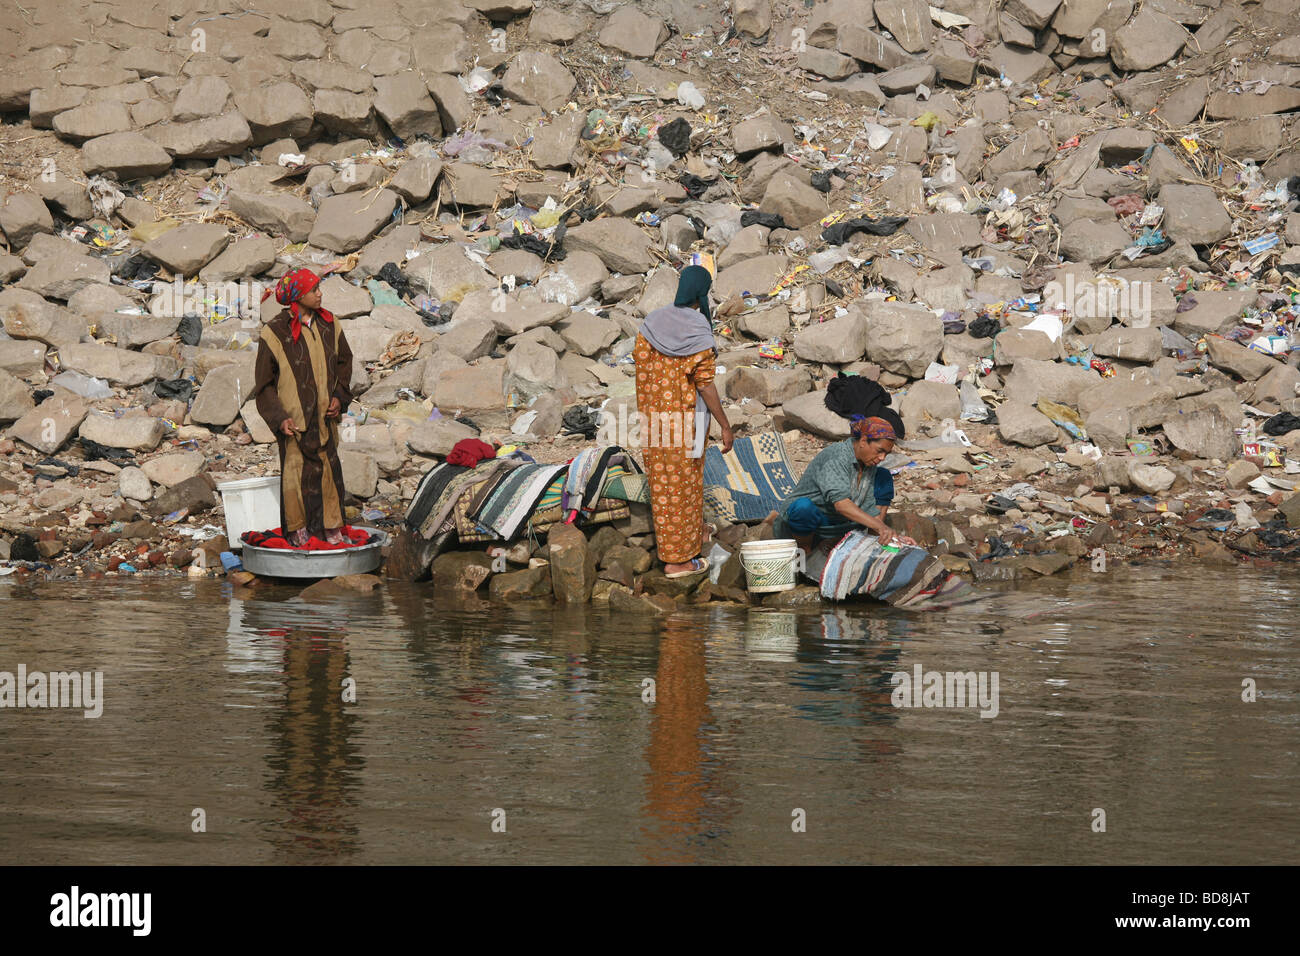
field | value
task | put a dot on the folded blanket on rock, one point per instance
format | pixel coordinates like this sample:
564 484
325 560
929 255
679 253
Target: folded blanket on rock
901 575
352 538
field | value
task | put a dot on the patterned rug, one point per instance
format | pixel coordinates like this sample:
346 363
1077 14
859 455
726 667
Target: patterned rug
750 481
627 487
904 576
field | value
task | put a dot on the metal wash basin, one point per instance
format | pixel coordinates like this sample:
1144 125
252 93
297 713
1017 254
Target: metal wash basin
279 563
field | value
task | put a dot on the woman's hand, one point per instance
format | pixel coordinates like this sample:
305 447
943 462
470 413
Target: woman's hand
728 439
334 408
888 536
286 427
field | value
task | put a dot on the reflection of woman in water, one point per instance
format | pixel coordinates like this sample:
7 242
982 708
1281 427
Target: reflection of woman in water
315 765
682 795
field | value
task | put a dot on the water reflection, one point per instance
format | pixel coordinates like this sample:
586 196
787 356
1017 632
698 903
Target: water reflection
314 764
685 798
1116 691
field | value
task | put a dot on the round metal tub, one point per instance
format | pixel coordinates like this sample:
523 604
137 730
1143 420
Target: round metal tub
279 563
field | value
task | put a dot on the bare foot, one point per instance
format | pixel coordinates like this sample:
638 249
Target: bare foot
298 538
334 536
695 565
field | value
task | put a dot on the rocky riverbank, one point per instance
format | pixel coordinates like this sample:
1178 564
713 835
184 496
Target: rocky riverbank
1064 229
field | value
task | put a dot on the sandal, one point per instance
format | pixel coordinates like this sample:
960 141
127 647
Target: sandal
698 566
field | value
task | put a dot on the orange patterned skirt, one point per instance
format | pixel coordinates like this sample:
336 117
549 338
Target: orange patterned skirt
665 392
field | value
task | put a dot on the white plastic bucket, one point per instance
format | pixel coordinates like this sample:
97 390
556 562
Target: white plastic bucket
771 565
252 504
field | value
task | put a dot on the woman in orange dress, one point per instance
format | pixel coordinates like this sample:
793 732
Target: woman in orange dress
675 395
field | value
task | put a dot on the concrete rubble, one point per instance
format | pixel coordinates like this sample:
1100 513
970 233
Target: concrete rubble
1086 311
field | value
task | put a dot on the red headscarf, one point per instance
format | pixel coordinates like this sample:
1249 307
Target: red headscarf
289 290
872 429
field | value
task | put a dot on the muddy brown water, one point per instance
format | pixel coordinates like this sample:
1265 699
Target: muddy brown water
1118 691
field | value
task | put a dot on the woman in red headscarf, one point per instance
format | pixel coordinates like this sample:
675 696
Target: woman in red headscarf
304 370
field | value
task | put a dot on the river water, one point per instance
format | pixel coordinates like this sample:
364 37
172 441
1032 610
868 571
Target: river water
535 734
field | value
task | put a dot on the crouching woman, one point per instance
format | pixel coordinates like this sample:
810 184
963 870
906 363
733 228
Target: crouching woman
844 489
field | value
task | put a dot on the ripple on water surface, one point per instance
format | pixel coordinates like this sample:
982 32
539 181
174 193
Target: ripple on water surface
698 738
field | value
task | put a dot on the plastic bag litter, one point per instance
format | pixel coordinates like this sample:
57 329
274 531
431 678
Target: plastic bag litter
1065 417
479 78
84 385
839 233
826 260
381 293
718 556
551 251
94 451
973 408
1049 325
950 434
581 420
752 217
688 95
104 195
178 388
676 137
943 374
878 136
148 231
523 423
1281 424
395 279
984 327
458 145
821 181
190 328
695 188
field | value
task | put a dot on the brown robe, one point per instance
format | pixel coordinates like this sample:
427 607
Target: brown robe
297 379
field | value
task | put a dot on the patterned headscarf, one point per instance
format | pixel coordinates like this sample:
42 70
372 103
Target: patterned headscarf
291 287
872 429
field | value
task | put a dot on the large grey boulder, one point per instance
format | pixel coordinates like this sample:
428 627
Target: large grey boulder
186 249
347 222
15 397
1148 41
770 386
276 110
126 155
404 102
1022 424
22 216
222 394
908 21
925 401
1194 213
1205 433
117 366
224 135
630 31
809 413
62 276
273 212
619 243
133 432
903 339
539 79
835 341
